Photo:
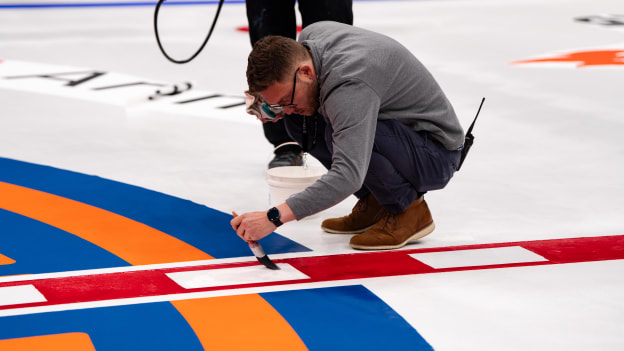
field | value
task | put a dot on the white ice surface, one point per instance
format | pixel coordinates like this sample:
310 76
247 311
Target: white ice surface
547 161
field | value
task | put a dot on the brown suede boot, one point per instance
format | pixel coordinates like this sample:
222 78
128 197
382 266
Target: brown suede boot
366 212
394 231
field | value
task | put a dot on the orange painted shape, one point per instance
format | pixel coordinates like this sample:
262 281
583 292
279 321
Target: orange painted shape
242 322
5 260
134 242
585 58
56 342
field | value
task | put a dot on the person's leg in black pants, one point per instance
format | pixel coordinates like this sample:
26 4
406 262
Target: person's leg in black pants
326 10
404 164
271 17
275 17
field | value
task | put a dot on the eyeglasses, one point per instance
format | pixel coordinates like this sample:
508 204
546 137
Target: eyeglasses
279 109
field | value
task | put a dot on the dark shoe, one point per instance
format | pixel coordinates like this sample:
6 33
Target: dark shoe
365 214
394 231
286 158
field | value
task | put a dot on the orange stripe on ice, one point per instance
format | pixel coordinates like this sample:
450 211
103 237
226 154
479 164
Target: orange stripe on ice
134 242
57 342
584 58
241 322
5 260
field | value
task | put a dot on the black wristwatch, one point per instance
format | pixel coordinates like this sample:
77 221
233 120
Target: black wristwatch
274 216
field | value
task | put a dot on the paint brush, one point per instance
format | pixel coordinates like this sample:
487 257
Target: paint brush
262 257
258 251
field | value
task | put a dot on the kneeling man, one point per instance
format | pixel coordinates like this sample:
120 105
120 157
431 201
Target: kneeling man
372 114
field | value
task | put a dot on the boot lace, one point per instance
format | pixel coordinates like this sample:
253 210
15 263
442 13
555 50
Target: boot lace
390 221
361 205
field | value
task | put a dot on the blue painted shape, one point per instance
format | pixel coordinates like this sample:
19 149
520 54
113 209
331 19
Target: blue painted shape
202 227
127 4
345 318
114 4
40 248
153 326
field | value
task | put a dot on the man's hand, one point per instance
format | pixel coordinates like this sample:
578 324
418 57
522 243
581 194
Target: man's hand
252 226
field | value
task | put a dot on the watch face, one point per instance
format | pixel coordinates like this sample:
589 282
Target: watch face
273 214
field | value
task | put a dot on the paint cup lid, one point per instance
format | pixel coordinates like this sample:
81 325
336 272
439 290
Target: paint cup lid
295 174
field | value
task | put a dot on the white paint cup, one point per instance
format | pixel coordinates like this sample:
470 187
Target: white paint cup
286 181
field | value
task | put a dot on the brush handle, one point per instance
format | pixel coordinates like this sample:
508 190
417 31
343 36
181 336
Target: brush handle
257 249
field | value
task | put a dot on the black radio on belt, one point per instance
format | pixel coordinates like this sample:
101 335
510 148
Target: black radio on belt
469 138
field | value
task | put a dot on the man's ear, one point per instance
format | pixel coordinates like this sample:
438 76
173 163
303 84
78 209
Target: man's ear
308 71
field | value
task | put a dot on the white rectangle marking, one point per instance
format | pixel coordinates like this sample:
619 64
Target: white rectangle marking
235 276
478 257
15 295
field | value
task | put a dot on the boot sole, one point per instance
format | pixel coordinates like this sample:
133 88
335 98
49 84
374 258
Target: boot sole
418 235
333 231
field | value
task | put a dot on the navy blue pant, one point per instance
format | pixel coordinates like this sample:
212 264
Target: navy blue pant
404 164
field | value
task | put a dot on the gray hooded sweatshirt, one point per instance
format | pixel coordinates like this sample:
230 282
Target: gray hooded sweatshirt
365 77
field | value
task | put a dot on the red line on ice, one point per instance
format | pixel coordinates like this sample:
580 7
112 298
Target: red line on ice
142 283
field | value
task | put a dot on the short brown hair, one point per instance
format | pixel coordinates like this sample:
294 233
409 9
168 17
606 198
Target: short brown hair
271 60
